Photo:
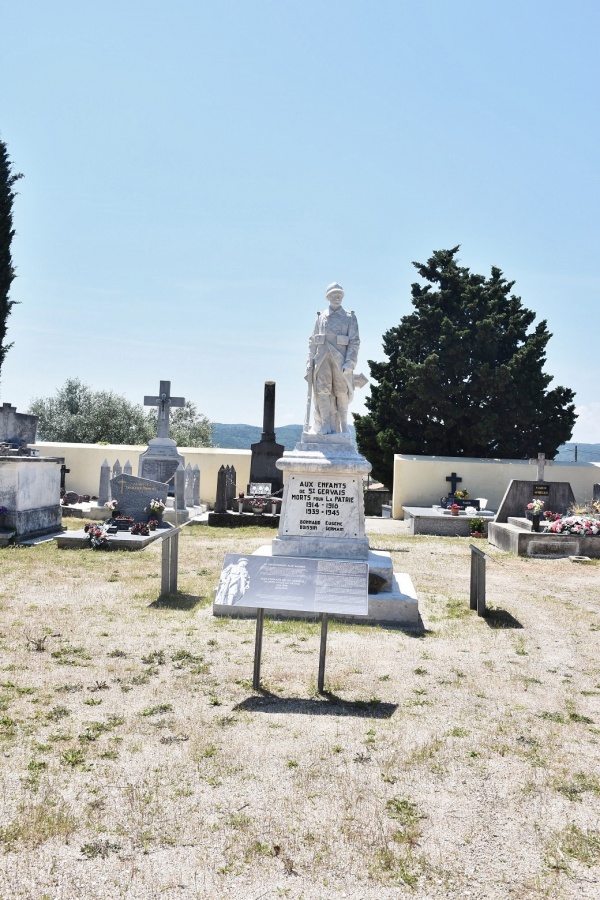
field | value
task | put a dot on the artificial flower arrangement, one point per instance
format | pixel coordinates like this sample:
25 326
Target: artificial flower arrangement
552 516
156 505
140 528
535 507
97 536
461 495
111 505
581 525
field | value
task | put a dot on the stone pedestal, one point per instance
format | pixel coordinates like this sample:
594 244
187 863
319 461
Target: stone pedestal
323 505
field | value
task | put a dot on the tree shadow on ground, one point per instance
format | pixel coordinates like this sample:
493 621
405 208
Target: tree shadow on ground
183 602
326 704
500 618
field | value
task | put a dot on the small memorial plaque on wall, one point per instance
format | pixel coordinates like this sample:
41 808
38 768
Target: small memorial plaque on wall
541 490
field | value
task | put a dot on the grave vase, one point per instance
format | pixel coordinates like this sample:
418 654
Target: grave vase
535 522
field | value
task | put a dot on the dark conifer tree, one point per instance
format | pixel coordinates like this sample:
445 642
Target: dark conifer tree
7 272
464 375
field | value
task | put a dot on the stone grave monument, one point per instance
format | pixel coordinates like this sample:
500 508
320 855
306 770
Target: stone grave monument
17 430
322 513
134 494
160 461
557 495
266 452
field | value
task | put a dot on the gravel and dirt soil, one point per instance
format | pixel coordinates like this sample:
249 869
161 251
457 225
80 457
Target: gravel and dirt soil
460 760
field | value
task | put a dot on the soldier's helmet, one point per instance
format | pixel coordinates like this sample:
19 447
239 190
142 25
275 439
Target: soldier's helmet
334 290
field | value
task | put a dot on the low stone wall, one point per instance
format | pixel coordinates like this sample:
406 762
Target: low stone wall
421 480
84 461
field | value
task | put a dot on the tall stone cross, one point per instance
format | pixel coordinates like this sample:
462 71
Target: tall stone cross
541 461
453 479
164 401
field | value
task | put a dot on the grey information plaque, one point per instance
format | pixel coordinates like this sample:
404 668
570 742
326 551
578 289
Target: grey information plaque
286 582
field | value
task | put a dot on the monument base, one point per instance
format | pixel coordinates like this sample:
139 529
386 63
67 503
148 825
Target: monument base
323 503
396 604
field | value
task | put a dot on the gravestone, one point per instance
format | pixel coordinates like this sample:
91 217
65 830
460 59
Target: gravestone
196 488
221 497
17 429
104 489
117 469
160 461
266 452
180 488
596 492
189 485
127 470
557 496
134 494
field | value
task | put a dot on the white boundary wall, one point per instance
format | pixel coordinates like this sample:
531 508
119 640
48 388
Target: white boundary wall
421 480
84 461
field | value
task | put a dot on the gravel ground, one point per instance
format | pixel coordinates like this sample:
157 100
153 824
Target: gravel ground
457 761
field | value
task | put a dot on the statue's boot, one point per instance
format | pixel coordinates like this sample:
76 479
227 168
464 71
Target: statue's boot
325 409
342 413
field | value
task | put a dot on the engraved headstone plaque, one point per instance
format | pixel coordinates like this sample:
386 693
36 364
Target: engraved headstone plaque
134 494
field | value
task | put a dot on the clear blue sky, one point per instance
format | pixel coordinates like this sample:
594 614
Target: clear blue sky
196 173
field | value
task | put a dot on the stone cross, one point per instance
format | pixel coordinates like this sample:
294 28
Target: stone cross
453 479
541 461
164 401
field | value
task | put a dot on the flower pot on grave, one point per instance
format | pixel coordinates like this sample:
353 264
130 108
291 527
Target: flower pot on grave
273 509
454 512
535 523
477 534
240 506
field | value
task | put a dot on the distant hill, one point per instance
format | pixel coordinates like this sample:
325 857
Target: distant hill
585 452
239 437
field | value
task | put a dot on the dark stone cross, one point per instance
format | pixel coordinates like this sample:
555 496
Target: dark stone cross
453 479
164 401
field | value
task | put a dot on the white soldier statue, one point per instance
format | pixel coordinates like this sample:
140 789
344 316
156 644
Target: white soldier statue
332 356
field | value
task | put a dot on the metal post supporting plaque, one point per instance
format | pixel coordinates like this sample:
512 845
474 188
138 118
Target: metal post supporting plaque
322 651
260 615
170 559
477 593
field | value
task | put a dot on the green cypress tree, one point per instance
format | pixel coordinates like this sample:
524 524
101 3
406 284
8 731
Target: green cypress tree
7 272
464 377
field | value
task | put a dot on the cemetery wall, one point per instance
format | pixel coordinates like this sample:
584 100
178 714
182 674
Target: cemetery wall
421 480
84 461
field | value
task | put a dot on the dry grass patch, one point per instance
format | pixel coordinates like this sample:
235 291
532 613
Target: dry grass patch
137 761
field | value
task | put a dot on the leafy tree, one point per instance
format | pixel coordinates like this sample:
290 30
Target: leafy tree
7 272
464 377
187 426
79 415
82 416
